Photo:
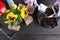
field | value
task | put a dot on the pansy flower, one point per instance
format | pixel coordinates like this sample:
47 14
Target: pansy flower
24 12
14 6
11 17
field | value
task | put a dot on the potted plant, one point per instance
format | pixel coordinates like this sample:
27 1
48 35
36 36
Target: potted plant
25 13
13 18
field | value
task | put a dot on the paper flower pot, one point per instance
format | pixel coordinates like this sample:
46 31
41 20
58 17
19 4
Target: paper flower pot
28 20
15 27
31 9
21 5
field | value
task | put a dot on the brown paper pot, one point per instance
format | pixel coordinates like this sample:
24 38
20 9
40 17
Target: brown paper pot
28 20
31 9
21 5
15 27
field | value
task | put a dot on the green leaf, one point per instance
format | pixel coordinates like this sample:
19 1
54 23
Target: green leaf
11 23
16 23
19 18
5 16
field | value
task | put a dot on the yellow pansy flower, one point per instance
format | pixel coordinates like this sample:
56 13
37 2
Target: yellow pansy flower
7 11
14 6
24 12
11 17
